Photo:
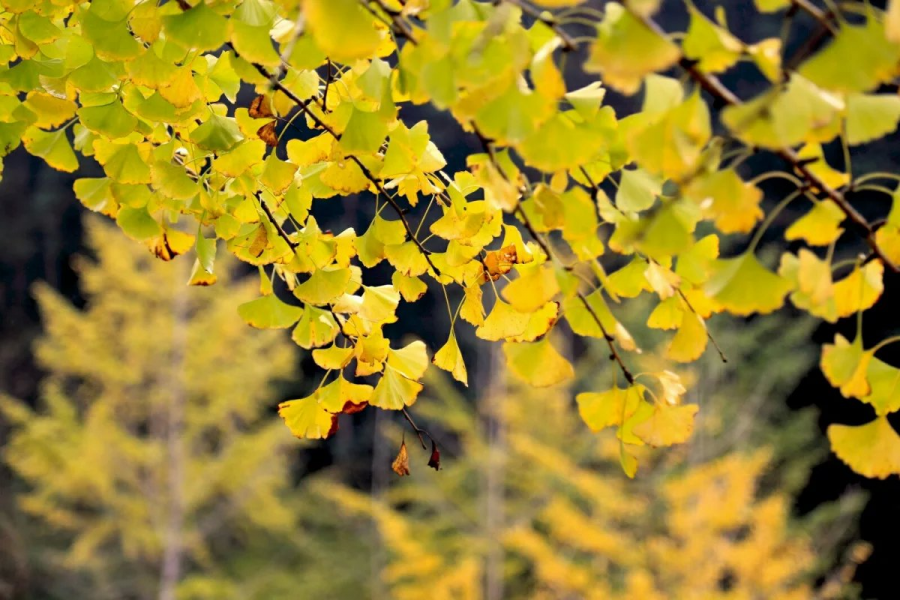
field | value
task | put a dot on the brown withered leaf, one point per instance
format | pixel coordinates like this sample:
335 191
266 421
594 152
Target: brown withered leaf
351 408
334 426
267 134
499 262
435 460
259 108
400 466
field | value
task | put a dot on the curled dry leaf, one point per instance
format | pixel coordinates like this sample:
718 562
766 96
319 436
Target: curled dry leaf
434 461
260 108
267 134
499 262
400 466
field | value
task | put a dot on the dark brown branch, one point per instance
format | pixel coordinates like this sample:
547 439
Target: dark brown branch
419 432
281 232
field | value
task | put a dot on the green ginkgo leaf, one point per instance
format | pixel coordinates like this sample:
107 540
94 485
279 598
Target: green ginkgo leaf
269 312
743 286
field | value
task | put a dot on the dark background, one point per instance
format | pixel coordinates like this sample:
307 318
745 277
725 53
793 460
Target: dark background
41 230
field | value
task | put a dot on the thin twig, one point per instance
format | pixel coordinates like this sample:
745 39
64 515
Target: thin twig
281 232
419 432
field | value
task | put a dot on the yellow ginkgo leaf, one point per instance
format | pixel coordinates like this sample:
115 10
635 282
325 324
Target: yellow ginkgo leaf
845 366
379 304
743 286
472 309
410 288
859 290
884 381
690 341
269 312
662 280
324 286
672 387
411 361
872 450
626 50
307 419
538 364
667 425
535 286
605 409
333 357
394 391
316 328
503 322
817 165
370 352
342 396
820 226
450 359
539 323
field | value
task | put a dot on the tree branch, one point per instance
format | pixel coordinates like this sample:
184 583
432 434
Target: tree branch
715 88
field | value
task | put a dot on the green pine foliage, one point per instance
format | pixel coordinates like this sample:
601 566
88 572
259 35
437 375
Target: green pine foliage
152 459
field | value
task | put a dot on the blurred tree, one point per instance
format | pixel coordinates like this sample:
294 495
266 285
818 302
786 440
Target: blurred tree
153 460
530 505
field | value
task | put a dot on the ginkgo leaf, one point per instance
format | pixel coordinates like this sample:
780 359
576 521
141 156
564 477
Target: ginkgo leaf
713 47
379 304
626 50
637 190
342 396
499 262
539 323
199 27
307 419
732 203
342 29
743 286
884 381
539 364
667 425
269 312
535 286
872 449
394 391
450 358
690 341
333 357
315 329
400 466
871 116
218 134
606 409
860 290
52 146
410 288
858 58
411 361
324 286
845 366
503 322
820 226
371 351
